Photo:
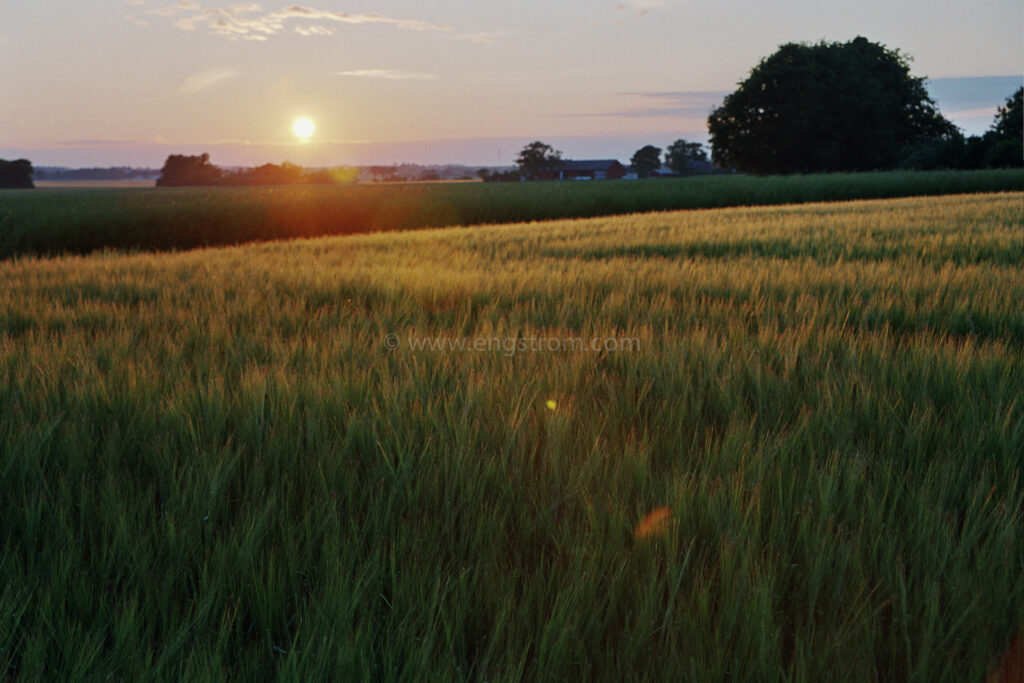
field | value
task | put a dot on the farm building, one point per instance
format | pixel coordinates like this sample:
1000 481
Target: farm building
587 169
663 172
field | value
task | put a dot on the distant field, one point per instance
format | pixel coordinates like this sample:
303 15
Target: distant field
53 221
212 465
93 184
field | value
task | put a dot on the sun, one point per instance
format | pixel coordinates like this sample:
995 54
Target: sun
303 128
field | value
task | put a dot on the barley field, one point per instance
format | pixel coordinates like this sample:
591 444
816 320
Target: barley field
775 443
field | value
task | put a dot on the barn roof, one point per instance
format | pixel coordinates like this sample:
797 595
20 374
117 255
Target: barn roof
588 164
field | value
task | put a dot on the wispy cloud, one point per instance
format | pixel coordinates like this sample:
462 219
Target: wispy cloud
986 112
249 20
679 105
206 79
486 37
314 30
972 92
640 7
135 3
100 143
389 74
135 20
309 13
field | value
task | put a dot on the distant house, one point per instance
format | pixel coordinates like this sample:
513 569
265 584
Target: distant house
705 166
587 169
663 172
693 168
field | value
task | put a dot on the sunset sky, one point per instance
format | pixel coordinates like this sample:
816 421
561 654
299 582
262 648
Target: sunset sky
116 82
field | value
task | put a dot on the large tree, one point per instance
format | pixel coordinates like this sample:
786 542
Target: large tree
646 160
826 107
537 158
681 155
16 174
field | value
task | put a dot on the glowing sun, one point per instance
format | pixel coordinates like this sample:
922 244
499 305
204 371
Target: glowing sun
303 128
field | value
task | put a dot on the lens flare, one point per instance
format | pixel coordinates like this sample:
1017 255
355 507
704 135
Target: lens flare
655 523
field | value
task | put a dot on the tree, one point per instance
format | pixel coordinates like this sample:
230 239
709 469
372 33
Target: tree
16 174
827 107
1009 121
538 158
681 154
646 159
1002 146
270 174
504 177
180 170
1006 136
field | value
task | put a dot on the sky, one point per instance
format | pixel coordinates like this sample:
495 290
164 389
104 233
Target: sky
127 82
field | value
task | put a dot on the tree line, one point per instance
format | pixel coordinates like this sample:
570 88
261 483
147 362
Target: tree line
829 107
538 159
109 173
681 157
183 171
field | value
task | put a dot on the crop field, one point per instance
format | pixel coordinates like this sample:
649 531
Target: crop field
81 220
775 443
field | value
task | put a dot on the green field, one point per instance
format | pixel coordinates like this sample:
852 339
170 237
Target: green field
55 221
213 467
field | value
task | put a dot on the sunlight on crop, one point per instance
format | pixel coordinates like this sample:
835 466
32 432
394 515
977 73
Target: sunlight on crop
818 435
655 523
